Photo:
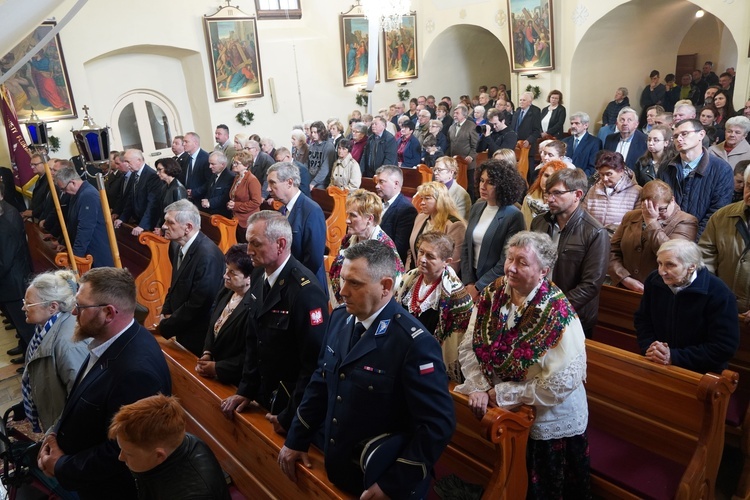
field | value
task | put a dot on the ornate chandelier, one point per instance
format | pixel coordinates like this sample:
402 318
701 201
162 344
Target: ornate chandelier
387 12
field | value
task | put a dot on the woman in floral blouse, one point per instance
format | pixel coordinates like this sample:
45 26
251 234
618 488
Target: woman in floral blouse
527 347
363 211
434 295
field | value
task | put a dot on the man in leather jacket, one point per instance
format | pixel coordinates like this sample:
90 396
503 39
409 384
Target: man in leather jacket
164 460
582 244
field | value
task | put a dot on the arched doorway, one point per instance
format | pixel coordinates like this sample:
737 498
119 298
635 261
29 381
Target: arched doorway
462 58
621 48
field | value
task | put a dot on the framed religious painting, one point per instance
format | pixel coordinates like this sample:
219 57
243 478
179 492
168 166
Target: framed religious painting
355 49
401 50
41 84
233 56
532 35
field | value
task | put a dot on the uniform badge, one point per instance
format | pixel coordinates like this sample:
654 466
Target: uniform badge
382 327
316 317
426 368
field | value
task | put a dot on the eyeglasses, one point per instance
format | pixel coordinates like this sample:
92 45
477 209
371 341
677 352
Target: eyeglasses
683 134
23 301
440 170
555 194
79 308
663 210
37 164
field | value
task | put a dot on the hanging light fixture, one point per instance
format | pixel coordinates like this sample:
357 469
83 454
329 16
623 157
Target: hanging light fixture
37 133
388 13
92 141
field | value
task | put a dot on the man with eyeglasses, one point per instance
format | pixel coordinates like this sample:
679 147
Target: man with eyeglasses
85 220
702 183
582 244
125 364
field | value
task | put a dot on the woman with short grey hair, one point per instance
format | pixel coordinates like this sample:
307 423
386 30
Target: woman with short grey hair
735 147
687 316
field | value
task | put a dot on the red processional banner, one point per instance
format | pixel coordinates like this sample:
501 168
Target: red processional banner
20 156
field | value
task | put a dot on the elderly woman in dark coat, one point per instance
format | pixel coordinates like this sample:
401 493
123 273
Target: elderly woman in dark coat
224 349
687 316
168 170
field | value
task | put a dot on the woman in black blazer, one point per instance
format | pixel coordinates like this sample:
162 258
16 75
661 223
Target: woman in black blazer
492 220
168 169
553 126
224 349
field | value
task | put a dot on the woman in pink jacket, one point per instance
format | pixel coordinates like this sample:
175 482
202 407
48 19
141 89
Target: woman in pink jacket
615 193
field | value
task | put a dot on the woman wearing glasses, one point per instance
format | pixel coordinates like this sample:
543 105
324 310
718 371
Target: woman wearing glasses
445 171
643 231
53 357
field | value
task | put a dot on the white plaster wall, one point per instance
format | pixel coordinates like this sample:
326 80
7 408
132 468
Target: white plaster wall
646 34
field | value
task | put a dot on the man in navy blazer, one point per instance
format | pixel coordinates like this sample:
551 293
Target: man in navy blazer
84 220
398 213
141 206
629 141
195 171
125 365
197 277
527 123
304 215
582 147
215 195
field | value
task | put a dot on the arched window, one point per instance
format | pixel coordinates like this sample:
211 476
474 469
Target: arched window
147 121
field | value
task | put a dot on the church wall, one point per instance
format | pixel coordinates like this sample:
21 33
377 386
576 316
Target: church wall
645 35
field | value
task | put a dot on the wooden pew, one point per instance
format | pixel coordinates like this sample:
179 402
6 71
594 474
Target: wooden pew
491 453
462 177
522 157
43 254
425 172
220 230
615 327
654 431
146 256
333 202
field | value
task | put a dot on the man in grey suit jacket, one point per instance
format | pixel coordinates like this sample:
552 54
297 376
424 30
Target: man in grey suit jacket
463 138
581 146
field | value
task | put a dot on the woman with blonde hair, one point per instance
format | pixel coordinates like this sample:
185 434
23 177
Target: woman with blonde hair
240 142
363 212
245 195
506 155
535 201
445 172
438 214
300 149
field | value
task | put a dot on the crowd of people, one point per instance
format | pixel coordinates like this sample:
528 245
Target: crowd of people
493 286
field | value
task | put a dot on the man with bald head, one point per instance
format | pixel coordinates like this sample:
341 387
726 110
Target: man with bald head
142 204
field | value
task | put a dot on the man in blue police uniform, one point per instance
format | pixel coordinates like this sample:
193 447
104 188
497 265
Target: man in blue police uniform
380 381
289 318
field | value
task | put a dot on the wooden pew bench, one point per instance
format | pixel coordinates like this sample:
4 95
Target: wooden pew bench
333 203
654 431
615 327
491 452
220 230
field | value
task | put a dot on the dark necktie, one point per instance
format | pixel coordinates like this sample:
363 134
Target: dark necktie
359 330
575 144
189 170
135 183
179 258
520 119
266 289
284 210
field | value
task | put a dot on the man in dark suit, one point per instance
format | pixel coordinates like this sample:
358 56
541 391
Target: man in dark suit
118 185
305 216
287 326
527 122
214 195
124 366
84 220
195 171
381 148
398 216
380 373
142 204
284 155
582 147
464 139
178 148
629 141
197 276
39 191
